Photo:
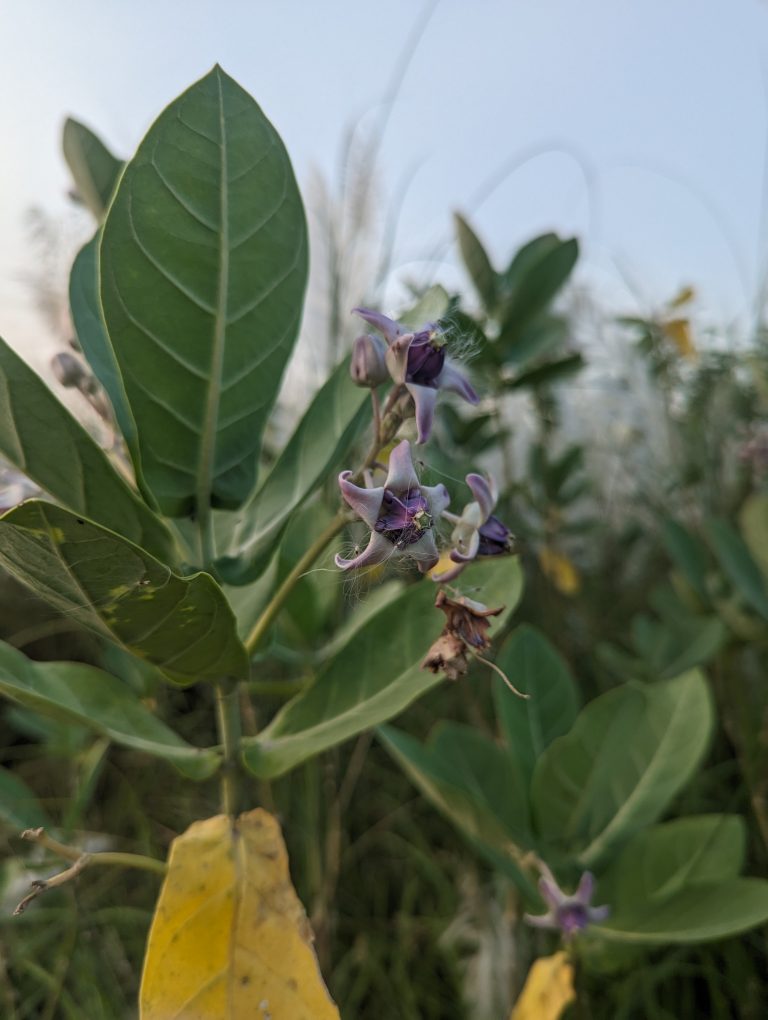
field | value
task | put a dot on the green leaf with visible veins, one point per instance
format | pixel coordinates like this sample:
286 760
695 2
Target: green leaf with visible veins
40 437
78 693
203 270
182 625
627 755
376 674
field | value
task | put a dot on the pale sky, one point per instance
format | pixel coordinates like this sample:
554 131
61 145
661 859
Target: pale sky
650 115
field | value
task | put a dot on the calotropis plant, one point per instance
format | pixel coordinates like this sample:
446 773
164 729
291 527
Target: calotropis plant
476 532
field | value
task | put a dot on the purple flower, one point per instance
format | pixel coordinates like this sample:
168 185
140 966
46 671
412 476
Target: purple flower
567 914
418 361
476 532
401 514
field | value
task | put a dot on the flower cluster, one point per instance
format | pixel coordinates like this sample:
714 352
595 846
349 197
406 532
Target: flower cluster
403 515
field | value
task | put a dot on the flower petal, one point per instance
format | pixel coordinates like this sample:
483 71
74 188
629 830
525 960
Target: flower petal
452 379
425 552
541 920
466 540
377 551
448 575
425 398
438 498
585 889
597 914
390 329
397 357
484 492
365 502
401 477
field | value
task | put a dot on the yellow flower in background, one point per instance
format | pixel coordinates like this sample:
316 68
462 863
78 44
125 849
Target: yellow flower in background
680 333
560 570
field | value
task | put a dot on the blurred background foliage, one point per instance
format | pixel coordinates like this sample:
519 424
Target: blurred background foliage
632 457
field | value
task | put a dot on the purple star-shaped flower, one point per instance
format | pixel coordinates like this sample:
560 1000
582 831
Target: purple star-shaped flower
400 513
567 914
418 361
476 532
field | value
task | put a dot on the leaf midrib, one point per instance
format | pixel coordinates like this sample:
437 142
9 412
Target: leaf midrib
204 477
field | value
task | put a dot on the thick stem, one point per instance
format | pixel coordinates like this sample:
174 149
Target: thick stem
229 724
266 619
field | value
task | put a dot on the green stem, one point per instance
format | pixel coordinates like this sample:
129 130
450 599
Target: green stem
266 619
230 731
110 857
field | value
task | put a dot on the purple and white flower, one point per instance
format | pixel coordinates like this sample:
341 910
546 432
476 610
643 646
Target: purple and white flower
567 914
476 532
419 362
400 513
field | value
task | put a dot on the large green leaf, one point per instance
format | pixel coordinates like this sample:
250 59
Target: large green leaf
19 807
738 565
75 692
475 784
41 438
753 520
88 319
660 861
536 668
374 676
534 277
629 752
698 913
688 553
478 264
203 270
323 435
94 169
183 625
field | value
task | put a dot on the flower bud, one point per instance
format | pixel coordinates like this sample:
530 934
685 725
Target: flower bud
368 366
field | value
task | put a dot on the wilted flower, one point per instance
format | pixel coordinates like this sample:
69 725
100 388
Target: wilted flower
401 514
567 914
465 631
418 361
477 532
368 366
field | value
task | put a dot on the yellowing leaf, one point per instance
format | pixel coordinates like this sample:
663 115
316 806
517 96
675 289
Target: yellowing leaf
230 939
444 564
679 332
683 296
547 991
560 570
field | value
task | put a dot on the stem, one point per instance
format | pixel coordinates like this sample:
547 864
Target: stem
79 861
264 622
228 718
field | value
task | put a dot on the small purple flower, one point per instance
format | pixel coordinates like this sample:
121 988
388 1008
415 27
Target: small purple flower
401 514
567 914
418 361
476 532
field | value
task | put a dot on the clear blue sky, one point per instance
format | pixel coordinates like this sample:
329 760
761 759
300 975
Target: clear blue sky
662 102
